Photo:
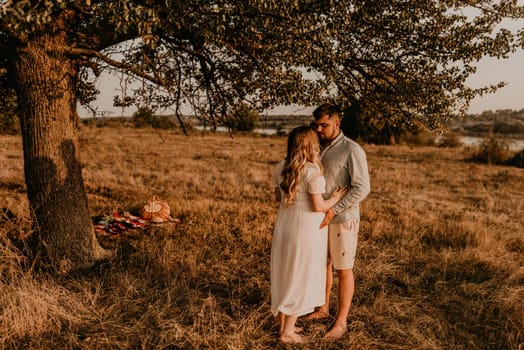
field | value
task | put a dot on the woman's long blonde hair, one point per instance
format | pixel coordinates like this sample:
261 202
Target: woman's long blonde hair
302 147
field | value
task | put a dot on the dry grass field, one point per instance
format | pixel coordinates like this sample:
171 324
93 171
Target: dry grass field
440 260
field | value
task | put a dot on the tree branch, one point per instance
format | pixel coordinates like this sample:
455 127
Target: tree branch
117 64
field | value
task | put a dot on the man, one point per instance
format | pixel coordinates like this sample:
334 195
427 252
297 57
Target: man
345 165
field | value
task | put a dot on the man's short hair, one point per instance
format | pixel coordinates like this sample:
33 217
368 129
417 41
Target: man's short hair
327 109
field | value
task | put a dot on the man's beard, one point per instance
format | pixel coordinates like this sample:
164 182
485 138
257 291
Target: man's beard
324 140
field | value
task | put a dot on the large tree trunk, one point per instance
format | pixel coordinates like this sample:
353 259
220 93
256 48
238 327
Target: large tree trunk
45 86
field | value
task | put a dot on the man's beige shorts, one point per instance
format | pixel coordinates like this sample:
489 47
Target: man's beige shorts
342 244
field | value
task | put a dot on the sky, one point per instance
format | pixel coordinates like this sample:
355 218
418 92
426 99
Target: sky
489 71
492 71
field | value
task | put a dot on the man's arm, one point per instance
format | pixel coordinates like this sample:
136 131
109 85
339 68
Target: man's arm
360 184
327 218
278 194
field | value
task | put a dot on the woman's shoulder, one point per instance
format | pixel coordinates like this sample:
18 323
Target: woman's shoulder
311 168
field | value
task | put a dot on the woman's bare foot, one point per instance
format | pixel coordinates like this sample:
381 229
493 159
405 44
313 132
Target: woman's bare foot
316 315
291 338
336 332
296 330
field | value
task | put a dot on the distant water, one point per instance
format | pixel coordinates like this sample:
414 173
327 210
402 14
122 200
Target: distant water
267 131
515 144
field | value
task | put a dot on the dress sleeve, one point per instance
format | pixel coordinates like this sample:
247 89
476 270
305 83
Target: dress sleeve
316 183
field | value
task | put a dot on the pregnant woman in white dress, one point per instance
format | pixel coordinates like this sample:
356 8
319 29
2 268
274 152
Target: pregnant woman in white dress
299 246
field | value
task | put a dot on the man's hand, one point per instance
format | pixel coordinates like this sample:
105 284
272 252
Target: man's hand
327 218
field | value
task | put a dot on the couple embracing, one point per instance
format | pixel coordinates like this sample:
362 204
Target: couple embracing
319 185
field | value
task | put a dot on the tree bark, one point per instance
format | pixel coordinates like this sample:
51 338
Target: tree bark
45 85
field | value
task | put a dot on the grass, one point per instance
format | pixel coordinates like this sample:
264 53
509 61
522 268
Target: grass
440 260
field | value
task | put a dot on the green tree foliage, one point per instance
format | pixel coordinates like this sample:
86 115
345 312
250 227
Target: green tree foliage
145 117
402 62
379 129
493 150
450 139
517 160
242 118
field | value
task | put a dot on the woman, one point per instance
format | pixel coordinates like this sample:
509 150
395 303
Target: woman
299 246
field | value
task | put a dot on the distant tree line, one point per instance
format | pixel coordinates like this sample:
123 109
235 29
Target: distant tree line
366 129
500 114
503 121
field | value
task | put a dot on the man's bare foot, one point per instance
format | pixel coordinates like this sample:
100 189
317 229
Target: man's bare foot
291 338
336 332
296 330
316 315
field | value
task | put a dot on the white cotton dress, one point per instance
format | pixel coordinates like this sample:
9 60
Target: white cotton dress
299 249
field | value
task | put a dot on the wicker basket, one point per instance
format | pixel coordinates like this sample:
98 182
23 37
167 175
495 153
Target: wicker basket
156 211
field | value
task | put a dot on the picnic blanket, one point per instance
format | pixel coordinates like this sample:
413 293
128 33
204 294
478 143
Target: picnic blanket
117 223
